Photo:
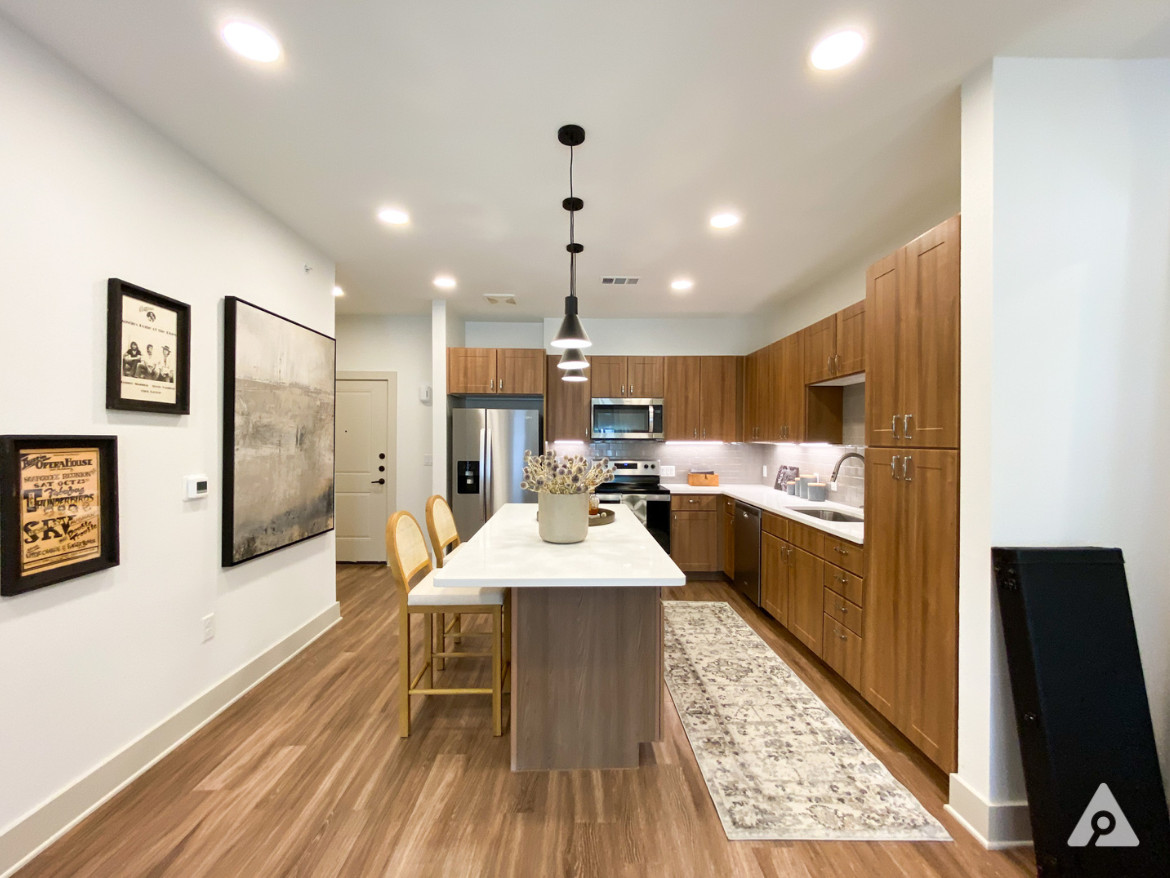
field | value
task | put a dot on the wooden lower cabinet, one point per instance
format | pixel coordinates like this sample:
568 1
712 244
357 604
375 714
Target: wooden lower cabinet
841 650
694 533
774 577
910 664
805 597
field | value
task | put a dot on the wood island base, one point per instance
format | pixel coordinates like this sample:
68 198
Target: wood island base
586 676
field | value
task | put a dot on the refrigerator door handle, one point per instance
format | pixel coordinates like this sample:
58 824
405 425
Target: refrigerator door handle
483 469
488 476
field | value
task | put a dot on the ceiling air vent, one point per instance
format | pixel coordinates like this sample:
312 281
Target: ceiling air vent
500 298
619 281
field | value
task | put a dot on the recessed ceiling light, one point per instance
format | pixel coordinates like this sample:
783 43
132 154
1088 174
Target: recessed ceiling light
338 291
444 282
394 216
837 50
682 284
251 41
724 220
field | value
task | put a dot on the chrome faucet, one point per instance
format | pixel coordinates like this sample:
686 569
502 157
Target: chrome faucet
844 457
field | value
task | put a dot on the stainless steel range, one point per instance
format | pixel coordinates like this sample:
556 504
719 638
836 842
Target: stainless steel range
636 484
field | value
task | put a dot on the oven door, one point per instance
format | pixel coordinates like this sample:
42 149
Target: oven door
653 510
626 418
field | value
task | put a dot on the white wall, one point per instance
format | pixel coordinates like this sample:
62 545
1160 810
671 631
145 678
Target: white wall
88 192
402 345
668 336
1066 309
503 335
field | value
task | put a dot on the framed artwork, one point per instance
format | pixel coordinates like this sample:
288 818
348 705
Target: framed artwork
278 442
148 351
58 509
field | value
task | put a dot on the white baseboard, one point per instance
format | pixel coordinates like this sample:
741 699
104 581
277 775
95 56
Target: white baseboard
997 825
30 835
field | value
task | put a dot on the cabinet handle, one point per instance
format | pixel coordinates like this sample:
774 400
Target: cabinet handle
894 425
906 469
906 426
704 433
631 390
829 364
843 608
842 636
894 465
501 385
623 390
842 580
492 384
836 364
695 433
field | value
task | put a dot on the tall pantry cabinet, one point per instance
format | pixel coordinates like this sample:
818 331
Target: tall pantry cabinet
910 659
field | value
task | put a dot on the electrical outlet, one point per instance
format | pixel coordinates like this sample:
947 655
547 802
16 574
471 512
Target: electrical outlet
666 471
764 471
208 627
832 486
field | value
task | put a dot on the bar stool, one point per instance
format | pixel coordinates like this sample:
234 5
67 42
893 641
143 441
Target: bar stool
407 555
445 540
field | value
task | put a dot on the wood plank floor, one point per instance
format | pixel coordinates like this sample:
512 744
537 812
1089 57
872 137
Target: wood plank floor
306 775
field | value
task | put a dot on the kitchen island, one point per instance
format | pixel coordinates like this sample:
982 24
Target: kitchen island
586 635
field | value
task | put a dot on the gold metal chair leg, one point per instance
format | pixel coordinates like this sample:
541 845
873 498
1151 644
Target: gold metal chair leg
403 671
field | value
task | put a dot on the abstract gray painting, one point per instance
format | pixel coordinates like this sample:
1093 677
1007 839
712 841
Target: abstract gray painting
279 381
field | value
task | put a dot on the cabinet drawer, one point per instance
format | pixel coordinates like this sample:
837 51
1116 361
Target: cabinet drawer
808 538
846 584
845 554
728 505
775 525
841 651
694 502
844 611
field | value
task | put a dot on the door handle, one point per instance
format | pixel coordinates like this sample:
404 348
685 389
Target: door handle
906 426
894 426
894 466
906 469
378 482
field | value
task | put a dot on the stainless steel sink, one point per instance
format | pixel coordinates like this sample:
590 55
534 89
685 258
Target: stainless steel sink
830 515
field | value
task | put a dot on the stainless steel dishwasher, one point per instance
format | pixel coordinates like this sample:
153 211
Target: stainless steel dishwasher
747 552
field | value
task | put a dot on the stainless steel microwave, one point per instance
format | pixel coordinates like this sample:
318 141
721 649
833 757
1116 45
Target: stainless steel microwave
626 418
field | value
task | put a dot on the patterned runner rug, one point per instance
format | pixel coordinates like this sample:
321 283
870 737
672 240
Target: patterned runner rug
777 762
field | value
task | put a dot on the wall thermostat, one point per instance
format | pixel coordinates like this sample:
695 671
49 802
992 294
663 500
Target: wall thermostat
197 486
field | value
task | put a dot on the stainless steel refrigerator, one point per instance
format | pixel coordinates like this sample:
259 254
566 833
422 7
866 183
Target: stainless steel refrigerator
486 455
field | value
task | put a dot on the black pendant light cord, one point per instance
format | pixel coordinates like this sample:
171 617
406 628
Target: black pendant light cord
572 226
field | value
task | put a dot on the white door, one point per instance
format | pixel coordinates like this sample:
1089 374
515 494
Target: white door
365 468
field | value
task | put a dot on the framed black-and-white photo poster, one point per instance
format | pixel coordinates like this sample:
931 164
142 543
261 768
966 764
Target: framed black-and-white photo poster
58 509
148 351
279 389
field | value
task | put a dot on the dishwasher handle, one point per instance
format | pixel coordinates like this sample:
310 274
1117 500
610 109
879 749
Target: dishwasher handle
742 510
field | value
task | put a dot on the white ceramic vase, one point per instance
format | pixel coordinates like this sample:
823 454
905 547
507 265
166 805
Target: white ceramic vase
563 518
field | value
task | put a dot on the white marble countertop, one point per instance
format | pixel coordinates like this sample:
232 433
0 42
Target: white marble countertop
508 551
772 500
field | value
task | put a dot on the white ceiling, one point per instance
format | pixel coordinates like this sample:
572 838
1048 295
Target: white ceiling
450 109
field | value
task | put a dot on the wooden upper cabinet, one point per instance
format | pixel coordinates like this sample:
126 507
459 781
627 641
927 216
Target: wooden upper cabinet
607 375
566 405
820 349
520 370
629 377
851 339
511 371
719 398
835 346
785 390
912 343
756 417
646 377
471 370
928 340
682 402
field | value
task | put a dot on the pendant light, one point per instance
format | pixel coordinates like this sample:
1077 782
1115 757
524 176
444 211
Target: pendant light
574 375
572 334
573 358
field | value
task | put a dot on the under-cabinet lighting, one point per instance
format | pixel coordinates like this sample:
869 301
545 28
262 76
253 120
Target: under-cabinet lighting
694 442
